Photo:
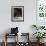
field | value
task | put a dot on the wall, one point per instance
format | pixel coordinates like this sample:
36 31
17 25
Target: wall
29 15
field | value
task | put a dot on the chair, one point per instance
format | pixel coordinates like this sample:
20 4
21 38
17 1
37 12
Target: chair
8 35
14 32
26 41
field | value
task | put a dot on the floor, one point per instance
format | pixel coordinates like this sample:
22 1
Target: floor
13 44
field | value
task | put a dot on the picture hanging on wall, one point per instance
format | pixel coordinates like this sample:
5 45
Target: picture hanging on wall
41 12
41 8
17 13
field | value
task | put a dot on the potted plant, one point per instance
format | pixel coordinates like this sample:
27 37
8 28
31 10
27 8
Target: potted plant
39 35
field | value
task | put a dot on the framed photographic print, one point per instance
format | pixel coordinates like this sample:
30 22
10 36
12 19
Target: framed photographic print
17 13
41 12
41 8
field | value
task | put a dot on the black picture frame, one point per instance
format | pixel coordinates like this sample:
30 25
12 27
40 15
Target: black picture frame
17 13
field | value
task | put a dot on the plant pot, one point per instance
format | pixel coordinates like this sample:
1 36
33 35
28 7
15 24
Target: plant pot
40 41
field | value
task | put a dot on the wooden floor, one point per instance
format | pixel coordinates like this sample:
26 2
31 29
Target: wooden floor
13 44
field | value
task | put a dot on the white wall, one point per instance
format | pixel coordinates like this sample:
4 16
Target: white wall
29 15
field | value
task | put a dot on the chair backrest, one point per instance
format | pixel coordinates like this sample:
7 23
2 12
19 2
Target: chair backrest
14 30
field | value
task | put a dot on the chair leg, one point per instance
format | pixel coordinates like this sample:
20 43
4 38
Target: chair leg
5 40
5 43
